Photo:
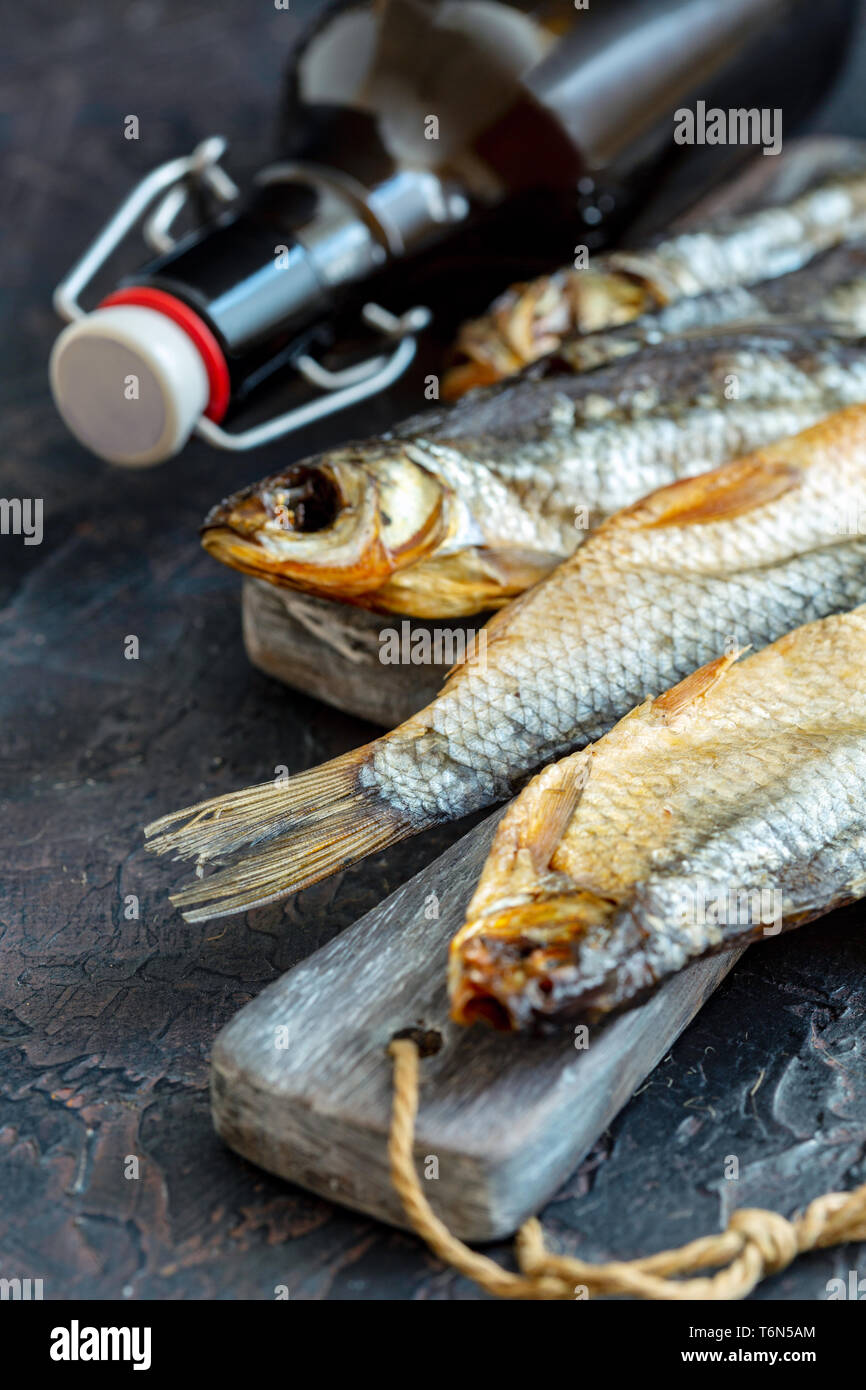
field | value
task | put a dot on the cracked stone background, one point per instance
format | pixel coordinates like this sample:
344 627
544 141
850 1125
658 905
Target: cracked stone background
106 1024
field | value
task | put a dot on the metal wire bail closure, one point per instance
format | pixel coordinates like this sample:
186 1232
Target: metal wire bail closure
157 201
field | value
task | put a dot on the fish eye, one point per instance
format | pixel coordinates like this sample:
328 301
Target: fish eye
308 498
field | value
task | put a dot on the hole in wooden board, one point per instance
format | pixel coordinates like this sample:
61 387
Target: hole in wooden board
427 1040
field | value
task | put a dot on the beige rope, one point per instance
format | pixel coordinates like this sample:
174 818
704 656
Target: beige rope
755 1244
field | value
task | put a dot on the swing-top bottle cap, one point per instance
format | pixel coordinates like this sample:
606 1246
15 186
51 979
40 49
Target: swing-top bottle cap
130 384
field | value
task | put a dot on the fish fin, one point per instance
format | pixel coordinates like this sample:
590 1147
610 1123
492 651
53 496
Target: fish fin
557 792
299 831
463 583
672 702
515 570
720 495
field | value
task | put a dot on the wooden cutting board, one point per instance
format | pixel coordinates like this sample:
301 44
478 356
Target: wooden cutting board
301 1081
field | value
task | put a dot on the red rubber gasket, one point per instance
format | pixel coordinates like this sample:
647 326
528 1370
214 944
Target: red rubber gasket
144 297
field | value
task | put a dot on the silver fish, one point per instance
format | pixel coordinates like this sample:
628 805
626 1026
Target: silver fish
736 556
530 320
461 509
832 289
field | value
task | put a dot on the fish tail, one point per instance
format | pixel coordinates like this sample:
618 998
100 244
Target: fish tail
279 837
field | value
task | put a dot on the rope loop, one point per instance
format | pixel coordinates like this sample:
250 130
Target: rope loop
773 1236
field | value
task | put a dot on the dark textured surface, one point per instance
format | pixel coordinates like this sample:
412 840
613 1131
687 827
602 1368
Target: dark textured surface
106 1023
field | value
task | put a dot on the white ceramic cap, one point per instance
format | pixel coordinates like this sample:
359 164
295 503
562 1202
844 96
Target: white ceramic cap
129 383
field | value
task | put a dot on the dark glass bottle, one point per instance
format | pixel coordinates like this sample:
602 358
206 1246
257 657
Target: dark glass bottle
412 129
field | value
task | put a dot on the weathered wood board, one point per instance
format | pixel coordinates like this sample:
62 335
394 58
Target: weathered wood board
331 650
507 1117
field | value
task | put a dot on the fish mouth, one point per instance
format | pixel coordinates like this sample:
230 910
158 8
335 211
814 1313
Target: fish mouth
520 986
505 984
548 966
330 526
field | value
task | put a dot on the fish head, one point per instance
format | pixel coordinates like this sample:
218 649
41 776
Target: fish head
338 524
553 954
